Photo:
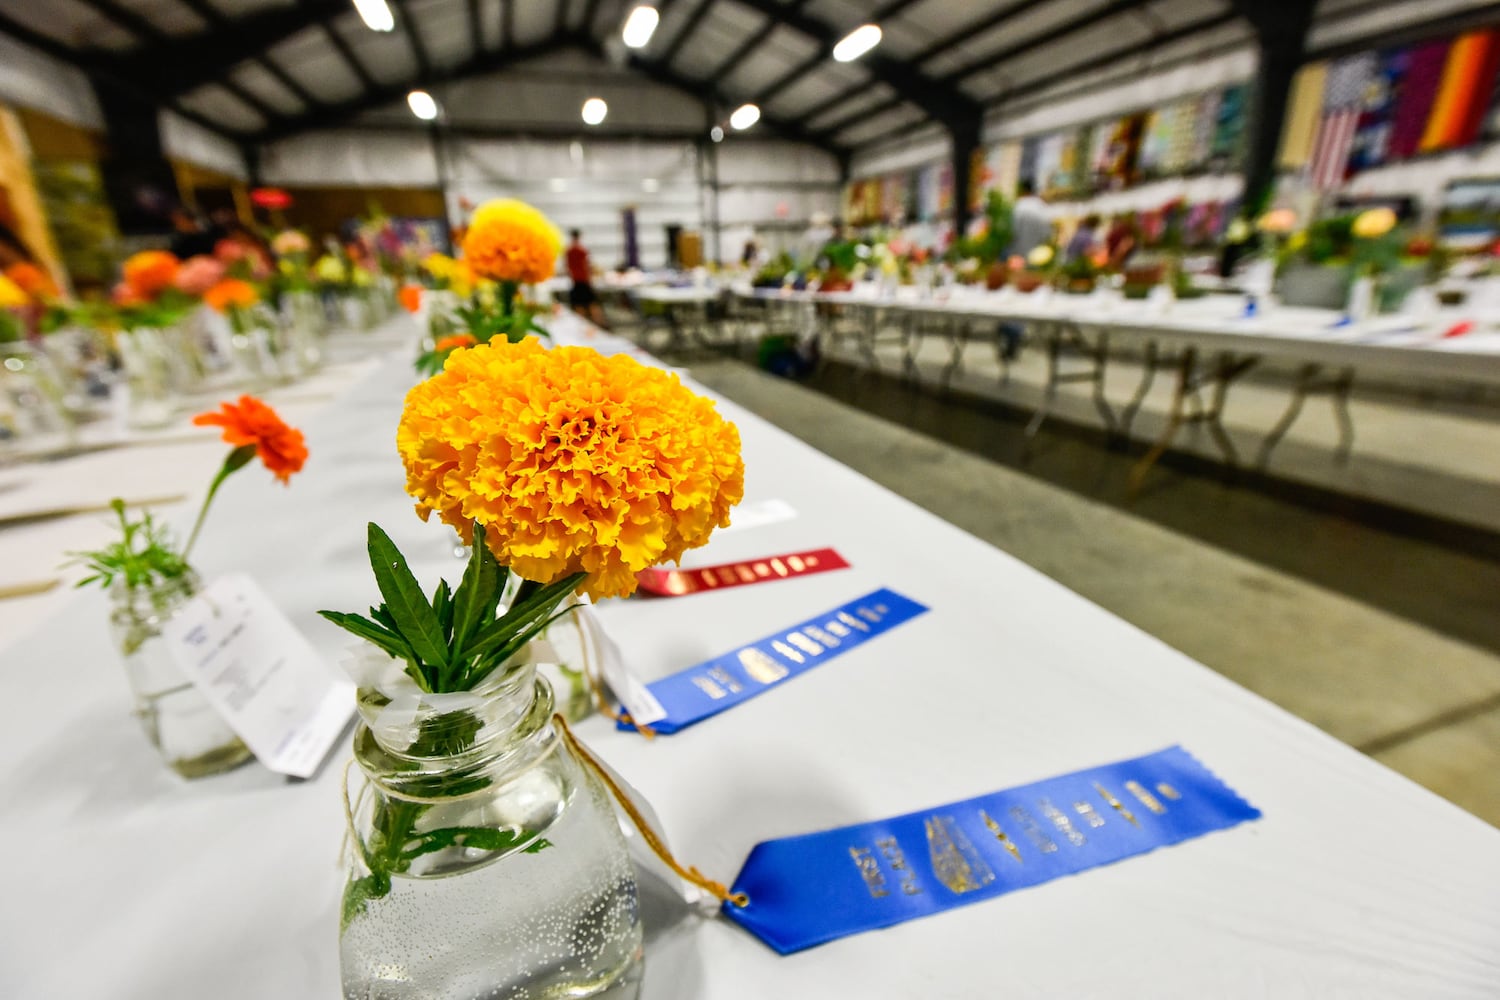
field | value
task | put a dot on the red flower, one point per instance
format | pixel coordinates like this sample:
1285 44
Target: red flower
279 446
411 297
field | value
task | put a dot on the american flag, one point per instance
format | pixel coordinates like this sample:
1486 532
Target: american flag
1330 159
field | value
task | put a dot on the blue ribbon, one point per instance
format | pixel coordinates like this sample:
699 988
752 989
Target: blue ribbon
696 693
808 890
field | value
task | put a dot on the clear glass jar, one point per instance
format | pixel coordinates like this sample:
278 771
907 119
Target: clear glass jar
33 409
489 862
193 738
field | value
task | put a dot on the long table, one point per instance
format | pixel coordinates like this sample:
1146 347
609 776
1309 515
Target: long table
1209 344
127 882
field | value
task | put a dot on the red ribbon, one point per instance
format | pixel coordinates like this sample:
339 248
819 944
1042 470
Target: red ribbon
677 582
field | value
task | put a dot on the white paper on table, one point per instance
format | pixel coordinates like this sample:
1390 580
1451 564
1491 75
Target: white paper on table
759 514
260 674
626 686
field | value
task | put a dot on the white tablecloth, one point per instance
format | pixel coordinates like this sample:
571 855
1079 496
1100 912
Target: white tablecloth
124 881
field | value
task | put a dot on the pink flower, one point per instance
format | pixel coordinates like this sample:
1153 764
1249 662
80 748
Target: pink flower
229 251
198 274
290 242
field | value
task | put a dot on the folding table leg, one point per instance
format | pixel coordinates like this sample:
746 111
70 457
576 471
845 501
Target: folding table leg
1186 366
1342 386
1127 415
1305 379
1049 394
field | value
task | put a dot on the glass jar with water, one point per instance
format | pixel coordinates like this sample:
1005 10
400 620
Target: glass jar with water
487 860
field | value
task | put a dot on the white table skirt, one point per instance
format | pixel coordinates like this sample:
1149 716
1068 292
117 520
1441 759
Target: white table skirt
125 881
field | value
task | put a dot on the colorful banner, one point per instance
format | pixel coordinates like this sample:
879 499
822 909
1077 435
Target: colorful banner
677 582
809 890
696 693
1463 95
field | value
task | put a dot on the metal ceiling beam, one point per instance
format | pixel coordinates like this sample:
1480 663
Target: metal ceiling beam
939 99
211 14
707 90
347 53
976 29
507 22
476 29
1048 37
147 31
561 23
178 65
414 40
769 92
590 15
491 62
87 65
752 43
686 31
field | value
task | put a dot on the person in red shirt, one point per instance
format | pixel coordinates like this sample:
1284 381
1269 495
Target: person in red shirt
582 298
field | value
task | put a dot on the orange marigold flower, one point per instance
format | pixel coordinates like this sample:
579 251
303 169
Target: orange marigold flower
574 462
32 280
280 447
508 240
231 292
410 297
149 272
454 342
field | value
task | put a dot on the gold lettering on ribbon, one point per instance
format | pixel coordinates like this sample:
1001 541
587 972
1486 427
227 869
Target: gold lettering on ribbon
896 858
803 643
787 651
708 687
761 569
954 861
1116 804
820 635
838 628
796 563
1060 820
852 621
1146 798
869 870
1033 829
743 572
1005 841
1089 813
779 567
1167 791
761 667
722 676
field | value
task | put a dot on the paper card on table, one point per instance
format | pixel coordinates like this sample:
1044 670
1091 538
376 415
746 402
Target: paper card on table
696 693
631 691
809 890
758 514
665 582
260 674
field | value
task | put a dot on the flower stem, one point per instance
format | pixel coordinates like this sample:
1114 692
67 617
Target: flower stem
232 463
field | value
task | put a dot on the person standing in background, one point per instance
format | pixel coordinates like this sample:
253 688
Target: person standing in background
1030 225
582 298
1084 239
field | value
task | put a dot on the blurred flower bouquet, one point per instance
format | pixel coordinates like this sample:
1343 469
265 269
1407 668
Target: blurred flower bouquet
568 471
149 578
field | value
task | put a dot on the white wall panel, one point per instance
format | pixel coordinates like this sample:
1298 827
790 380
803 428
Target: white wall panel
185 140
916 150
750 162
351 159
1427 178
35 80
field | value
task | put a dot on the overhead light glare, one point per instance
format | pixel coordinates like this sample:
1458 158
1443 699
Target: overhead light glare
422 105
855 44
650 185
716 134
594 110
557 185
744 116
376 14
639 27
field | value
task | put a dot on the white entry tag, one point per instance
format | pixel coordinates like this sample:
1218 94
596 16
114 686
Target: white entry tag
638 700
260 674
758 514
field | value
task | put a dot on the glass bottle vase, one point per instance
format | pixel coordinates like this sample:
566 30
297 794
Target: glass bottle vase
192 737
488 860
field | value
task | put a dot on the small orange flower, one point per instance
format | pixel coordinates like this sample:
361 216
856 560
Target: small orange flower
411 297
508 240
280 447
150 272
456 342
32 280
231 292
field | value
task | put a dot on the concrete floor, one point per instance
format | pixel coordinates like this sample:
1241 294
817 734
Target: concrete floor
1380 636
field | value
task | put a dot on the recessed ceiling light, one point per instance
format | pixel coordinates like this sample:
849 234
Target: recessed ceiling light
855 44
594 110
640 26
716 134
376 14
422 105
650 184
744 116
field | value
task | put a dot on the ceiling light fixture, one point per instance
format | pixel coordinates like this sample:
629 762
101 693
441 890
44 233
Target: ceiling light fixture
422 105
744 116
650 185
376 14
716 134
639 27
855 44
594 110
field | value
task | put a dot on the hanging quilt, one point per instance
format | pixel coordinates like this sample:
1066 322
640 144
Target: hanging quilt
1463 92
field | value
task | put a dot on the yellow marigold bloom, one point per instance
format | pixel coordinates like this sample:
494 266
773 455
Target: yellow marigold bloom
12 296
574 462
508 240
1373 223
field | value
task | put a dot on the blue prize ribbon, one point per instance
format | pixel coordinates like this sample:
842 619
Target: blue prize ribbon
696 693
808 890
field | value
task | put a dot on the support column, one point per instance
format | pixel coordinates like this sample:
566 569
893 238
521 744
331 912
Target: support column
965 135
1281 33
